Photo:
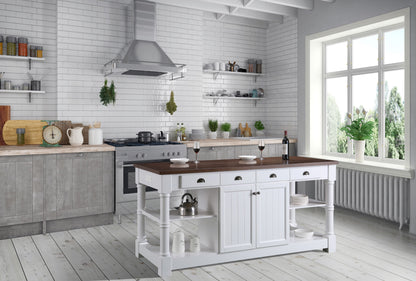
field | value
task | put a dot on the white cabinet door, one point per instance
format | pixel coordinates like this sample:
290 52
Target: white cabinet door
237 217
272 216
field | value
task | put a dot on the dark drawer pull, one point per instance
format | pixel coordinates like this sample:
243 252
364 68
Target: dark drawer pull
200 180
256 193
238 178
306 173
273 176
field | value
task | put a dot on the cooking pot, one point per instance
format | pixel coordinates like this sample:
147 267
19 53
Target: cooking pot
145 137
188 208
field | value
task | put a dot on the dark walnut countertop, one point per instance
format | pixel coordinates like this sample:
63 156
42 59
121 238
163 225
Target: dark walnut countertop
166 168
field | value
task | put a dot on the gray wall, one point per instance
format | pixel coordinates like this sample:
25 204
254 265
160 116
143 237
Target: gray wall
326 16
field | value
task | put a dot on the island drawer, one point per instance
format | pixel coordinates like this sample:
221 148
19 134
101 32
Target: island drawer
272 175
308 173
199 180
238 177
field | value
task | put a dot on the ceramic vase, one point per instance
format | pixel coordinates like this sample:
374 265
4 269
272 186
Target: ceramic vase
226 135
359 146
212 135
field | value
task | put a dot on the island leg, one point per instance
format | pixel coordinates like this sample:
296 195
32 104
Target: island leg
141 234
165 268
329 231
292 212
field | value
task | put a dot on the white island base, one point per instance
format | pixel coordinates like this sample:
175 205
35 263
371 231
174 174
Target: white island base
244 211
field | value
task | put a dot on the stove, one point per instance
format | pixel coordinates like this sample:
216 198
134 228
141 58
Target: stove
129 152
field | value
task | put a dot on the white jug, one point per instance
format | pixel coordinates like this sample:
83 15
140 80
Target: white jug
95 136
75 138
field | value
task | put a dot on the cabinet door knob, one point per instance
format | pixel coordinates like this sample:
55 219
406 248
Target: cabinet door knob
258 192
200 180
272 176
306 173
238 178
254 193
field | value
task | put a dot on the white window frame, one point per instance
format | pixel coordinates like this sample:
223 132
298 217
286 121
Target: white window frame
380 68
315 125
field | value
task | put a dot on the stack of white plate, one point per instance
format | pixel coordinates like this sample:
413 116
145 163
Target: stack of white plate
198 134
303 233
299 199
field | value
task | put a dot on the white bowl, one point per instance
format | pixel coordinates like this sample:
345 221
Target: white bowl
299 199
303 233
247 157
179 160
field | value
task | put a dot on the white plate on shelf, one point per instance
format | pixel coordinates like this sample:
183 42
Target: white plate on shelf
247 157
179 161
299 199
303 233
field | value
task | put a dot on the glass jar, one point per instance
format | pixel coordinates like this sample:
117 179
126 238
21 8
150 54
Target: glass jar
20 136
251 63
11 45
39 51
22 46
33 51
258 66
1 45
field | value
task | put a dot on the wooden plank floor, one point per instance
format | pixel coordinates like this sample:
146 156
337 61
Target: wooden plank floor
367 249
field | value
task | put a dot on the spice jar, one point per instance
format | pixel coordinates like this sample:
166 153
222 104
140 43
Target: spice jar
11 45
20 136
22 46
39 51
258 66
7 84
251 63
32 51
1 46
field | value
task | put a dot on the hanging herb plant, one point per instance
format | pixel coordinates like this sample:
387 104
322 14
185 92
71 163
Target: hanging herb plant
171 105
108 94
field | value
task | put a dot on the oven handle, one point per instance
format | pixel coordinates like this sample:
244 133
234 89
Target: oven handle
127 165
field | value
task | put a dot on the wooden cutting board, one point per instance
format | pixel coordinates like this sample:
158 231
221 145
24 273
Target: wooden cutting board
33 134
4 116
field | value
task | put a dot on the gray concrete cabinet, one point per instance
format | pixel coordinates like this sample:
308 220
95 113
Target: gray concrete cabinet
51 187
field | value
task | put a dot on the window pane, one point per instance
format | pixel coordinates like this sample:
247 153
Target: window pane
394 46
365 51
394 105
365 96
336 112
336 57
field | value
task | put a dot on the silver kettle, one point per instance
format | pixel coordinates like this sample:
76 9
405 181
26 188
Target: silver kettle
188 207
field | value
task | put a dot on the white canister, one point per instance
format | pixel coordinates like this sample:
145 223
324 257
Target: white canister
178 244
95 136
217 65
194 245
222 66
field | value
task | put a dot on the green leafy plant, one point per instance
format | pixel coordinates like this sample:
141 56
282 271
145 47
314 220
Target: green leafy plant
171 105
258 125
225 127
213 125
108 94
360 129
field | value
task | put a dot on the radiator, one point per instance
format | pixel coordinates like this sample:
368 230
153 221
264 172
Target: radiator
374 194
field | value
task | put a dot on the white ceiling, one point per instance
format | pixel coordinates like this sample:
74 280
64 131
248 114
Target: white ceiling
254 12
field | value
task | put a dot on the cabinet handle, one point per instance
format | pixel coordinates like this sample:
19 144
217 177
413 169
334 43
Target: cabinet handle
200 180
306 173
273 176
79 155
254 193
238 178
258 193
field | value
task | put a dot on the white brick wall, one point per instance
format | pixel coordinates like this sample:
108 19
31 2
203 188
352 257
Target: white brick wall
80 36
282 77
35 20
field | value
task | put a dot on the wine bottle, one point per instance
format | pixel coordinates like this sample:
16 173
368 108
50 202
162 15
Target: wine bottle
285 148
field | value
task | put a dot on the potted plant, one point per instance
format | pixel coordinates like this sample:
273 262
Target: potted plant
359 130
259 128
213 126
226 128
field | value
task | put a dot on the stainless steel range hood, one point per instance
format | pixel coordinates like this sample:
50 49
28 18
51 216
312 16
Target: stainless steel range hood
143 56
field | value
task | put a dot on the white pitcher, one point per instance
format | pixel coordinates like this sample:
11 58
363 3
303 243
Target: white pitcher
75 138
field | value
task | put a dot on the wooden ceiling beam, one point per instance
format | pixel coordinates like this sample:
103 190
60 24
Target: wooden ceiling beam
300 4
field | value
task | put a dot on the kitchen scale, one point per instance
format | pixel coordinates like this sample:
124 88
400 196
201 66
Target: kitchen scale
51 134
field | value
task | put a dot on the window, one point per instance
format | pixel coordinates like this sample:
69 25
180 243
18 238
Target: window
360 66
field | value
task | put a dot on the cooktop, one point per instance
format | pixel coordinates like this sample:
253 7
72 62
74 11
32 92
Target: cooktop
135 142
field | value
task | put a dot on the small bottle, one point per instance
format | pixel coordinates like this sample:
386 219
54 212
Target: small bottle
20 136
183 134
285 148
178 132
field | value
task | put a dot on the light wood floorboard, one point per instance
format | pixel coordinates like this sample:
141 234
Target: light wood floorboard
367 249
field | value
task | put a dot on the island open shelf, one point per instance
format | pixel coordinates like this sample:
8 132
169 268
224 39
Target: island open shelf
154 215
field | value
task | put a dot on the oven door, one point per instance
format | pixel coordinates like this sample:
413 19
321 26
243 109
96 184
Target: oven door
129 185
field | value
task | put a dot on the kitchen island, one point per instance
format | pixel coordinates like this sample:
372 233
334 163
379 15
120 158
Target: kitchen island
45 189
244 209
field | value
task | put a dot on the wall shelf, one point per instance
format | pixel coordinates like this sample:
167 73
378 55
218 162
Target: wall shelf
30 59
215 73
216 98
23 92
